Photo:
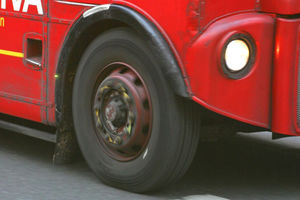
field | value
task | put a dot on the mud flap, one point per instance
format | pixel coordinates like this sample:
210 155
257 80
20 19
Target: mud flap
66 148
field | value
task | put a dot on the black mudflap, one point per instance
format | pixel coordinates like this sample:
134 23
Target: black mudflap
66 148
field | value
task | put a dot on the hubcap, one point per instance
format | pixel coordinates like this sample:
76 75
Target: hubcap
122 112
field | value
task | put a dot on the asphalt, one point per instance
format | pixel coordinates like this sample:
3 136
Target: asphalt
247 166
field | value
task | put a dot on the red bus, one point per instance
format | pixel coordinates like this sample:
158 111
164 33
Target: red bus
137 83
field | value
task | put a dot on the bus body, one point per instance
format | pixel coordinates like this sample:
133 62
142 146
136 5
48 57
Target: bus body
239 59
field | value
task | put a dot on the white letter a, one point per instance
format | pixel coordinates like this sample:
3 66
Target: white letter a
36 3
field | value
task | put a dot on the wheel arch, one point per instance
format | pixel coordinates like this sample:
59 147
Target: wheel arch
85 29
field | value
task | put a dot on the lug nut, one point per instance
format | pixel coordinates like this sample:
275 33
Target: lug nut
118 140
106 137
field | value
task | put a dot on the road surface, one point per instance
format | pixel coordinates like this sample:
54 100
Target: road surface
241 167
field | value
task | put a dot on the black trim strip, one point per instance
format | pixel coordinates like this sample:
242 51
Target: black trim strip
50 137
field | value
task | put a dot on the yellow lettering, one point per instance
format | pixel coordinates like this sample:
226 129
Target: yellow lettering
2 22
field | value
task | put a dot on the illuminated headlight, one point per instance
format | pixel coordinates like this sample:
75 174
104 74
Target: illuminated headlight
237 55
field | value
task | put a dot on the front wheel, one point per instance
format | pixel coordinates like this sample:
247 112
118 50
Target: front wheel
133 131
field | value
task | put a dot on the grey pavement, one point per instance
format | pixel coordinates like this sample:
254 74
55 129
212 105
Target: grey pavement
242 167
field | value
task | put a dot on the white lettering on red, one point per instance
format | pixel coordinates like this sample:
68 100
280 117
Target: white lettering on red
36 3
18 3
3 4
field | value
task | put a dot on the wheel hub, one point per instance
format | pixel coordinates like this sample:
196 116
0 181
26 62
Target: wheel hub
116 112
122 112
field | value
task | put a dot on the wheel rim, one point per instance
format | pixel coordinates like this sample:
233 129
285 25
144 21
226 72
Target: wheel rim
122 112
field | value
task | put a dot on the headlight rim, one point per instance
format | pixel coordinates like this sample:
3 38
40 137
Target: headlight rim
252 55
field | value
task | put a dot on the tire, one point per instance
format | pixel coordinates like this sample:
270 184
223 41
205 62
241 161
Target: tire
166 128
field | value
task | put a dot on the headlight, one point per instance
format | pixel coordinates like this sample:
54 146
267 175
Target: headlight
238 55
